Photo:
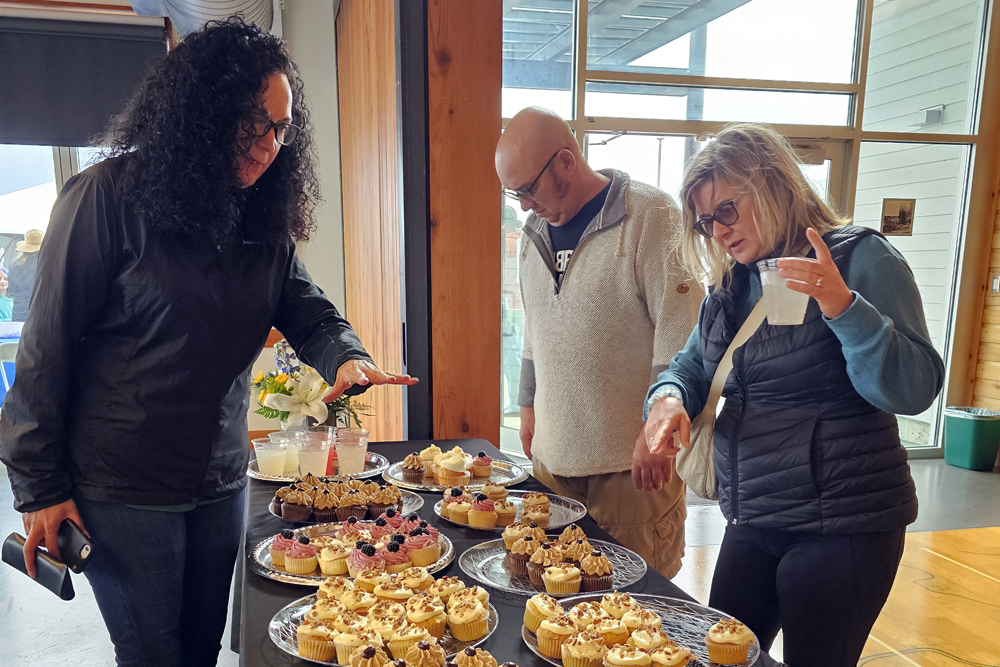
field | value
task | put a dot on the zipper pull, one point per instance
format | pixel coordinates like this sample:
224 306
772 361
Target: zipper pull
734 521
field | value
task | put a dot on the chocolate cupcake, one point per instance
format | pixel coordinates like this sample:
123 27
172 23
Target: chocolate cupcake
352 504
297 506
544 557
413 469
520 552
325 507
597 572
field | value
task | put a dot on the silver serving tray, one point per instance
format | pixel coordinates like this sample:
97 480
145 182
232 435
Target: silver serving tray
484 563
685 622
260 558
564 511
505 473
375 465
411 503
282 630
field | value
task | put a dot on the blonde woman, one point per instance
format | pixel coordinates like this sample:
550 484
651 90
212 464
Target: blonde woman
812 478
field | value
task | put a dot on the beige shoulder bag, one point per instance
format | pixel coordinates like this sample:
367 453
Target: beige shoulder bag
696 466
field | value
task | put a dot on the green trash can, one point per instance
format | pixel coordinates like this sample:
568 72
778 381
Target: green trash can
971 437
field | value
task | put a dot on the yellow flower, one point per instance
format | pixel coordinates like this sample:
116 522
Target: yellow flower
282 379
263 394
257 379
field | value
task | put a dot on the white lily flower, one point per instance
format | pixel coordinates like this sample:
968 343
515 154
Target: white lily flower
306 399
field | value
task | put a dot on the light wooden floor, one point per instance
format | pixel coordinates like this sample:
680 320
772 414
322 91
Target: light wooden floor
944 609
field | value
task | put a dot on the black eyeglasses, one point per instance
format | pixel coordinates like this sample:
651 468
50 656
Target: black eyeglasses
529 192
284 133
726 215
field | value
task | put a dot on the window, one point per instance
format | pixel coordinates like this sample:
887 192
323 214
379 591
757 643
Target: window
880 98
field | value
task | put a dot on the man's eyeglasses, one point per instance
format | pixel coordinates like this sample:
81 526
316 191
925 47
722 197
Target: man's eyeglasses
529 192
284 133
726 215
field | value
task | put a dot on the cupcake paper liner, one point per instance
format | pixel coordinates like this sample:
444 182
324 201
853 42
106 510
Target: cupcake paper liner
332 567
570 661
725 653
470 632
295 512
532 619
316 648
481 519
561 587
550 644
300 565
426 556
277 557
597 582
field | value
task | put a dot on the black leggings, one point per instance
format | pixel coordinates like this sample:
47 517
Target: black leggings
824 591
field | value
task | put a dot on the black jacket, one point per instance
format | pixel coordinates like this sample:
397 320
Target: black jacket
796 446
20 281
133 368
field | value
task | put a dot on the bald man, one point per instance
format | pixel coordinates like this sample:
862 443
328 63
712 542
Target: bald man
606 307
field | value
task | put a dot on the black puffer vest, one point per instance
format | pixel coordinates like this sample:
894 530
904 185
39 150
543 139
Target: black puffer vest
796 447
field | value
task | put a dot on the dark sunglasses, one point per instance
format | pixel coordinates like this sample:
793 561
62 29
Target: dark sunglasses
529 192
726 215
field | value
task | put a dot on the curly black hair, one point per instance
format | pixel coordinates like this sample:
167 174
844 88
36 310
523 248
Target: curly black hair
181 130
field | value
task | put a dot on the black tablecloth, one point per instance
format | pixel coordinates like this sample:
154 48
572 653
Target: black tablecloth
258 598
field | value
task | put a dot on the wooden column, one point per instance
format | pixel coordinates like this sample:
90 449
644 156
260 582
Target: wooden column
366 70
464 79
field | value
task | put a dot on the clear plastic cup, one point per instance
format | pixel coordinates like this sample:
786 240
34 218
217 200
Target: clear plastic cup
323 432
784 306
294 439
352 449
314 457
270 455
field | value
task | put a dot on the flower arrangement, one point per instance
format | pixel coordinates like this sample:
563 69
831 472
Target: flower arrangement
294 393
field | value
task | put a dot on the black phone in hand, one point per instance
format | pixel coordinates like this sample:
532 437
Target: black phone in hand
75 547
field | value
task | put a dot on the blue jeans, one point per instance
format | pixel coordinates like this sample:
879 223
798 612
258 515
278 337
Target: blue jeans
162 579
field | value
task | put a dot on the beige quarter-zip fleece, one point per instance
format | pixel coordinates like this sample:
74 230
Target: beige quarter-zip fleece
594 342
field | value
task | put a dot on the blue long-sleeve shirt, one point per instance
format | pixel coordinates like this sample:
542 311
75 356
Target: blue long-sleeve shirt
890 357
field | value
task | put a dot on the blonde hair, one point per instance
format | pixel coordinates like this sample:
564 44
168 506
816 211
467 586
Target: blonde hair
756 161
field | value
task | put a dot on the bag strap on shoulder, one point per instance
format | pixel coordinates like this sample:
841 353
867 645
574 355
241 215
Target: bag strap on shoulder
750 326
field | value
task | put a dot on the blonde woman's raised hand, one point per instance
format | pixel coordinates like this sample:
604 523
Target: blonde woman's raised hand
819 278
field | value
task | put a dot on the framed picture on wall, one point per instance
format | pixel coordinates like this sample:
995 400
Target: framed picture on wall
897 216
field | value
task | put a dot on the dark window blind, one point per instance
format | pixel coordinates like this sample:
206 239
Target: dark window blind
61 82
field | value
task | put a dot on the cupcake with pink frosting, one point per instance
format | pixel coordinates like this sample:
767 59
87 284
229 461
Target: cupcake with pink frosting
395 556
362 558
422 549
281 542
482 514
482 465
410 522
380 529
300 558
392 517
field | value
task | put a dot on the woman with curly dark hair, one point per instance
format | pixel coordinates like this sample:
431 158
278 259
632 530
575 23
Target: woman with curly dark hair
163 271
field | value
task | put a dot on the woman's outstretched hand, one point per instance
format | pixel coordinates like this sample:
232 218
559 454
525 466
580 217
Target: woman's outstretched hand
819 278
667 417
361 372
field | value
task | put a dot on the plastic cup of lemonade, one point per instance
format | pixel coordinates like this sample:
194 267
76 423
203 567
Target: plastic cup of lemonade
270 455
294 439
328 433
784 306
314 456
352 449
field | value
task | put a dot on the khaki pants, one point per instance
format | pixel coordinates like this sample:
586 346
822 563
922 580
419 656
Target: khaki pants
650 523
